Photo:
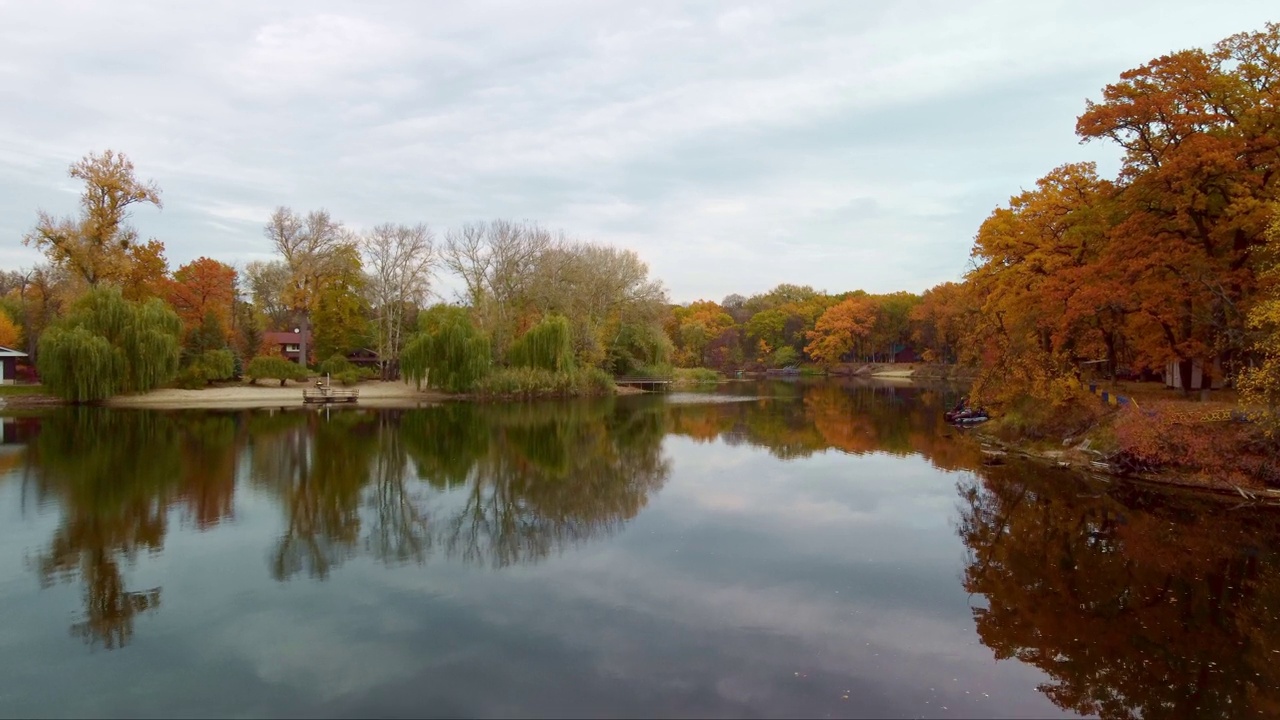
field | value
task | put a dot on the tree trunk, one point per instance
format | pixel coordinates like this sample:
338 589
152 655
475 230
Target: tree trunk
305 327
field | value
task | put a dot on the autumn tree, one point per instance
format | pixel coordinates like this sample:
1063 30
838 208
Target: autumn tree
399 260
698 328
1260 384
892 327
840 328
201 287
496 262
98 245
1050 301
266 284
10 333
146 271
341 309
315 249
939 322
598 290
1201 145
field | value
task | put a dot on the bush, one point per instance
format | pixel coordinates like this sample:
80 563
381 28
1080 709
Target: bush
190 378
1030 418
354 375
335 365
651 371
696 376
526 382
1163 436
267 367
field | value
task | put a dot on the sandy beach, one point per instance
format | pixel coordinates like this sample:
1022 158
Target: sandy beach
270 394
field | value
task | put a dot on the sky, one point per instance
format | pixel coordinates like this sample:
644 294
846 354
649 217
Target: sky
733 146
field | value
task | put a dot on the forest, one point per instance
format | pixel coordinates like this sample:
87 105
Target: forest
1176 259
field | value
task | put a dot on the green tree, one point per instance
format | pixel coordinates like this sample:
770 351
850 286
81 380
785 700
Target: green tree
341 315
107 345
447 352
546 345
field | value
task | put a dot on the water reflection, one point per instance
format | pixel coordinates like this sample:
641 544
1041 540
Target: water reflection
798 419
1135 603
109 514
492 485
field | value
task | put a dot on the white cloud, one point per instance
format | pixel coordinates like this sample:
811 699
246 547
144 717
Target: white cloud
733 145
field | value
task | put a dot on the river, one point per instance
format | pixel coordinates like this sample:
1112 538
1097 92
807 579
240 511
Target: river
767 549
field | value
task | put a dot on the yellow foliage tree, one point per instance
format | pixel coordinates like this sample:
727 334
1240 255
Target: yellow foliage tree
1260 385
10 333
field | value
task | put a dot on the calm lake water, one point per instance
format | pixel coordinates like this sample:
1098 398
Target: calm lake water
769 549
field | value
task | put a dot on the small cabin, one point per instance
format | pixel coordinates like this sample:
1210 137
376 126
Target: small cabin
1194 375
288 344
9 364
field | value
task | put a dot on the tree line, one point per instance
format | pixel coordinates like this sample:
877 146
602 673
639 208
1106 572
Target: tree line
1171 261
105 315
1175 260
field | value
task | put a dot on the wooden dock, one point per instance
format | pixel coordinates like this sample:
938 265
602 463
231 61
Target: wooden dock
328 395
654 384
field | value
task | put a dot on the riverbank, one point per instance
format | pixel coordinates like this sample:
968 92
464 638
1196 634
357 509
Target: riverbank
373 393
922 371
242 396
1187 444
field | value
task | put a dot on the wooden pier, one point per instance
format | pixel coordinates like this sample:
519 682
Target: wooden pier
644 383
329 395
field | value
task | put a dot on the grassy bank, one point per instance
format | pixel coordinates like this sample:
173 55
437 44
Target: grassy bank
519 383
1166 437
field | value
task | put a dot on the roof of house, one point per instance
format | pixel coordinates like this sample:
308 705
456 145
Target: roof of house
10 352
284 338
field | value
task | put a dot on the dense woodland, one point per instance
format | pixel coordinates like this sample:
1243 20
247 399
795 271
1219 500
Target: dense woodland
1175 259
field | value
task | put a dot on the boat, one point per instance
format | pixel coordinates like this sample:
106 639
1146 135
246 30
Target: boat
962 414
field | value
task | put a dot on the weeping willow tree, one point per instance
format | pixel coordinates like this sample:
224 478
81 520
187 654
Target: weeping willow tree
107 345
548 345
447 352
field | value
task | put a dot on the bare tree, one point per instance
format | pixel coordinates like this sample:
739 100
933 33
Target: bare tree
497 262
312 249
400 260
265 283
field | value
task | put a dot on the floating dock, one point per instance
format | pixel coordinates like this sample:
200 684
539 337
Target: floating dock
330 395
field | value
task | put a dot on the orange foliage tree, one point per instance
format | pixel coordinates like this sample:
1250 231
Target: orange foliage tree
200 287
1201 143
839 328
703 334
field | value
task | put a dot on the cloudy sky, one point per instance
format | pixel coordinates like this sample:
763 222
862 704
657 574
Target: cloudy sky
734 146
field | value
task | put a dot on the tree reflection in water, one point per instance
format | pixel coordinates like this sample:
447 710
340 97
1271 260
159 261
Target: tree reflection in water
494 485
1136 603
109 514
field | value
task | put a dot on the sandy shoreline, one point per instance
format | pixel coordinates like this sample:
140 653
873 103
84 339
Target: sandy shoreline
372 394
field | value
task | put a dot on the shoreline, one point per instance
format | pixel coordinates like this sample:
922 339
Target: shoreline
373 394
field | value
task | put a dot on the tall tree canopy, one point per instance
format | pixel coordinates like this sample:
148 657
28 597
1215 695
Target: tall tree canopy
201 287
399 260
98 245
